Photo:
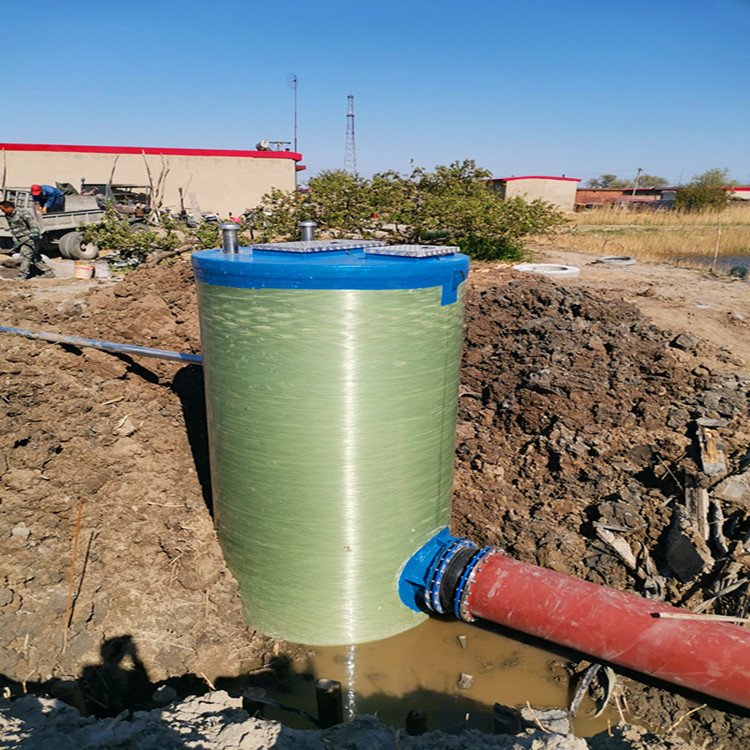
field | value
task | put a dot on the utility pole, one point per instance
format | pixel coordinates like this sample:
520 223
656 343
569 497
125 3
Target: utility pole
350 154
635 184
291 79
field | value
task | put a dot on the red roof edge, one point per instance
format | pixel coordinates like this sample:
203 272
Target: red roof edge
60 148
536 177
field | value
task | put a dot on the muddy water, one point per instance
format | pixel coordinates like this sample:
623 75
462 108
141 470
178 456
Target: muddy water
725 262
421 669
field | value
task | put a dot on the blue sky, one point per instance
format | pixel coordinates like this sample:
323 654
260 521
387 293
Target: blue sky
569 87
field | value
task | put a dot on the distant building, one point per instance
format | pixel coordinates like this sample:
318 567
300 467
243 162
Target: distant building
644 197
559 191
740 193
213 179
588 197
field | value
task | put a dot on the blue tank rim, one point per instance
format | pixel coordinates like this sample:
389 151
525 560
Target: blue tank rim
350 269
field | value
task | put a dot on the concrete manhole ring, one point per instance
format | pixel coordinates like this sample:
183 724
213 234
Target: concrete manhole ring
548 269
616 260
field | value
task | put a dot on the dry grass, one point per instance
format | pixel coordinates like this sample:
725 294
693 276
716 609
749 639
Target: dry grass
734 215
657 235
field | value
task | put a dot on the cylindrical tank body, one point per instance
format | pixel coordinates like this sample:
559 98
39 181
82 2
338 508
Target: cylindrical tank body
331 384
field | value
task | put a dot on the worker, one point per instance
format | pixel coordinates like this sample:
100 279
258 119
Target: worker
26 236
49 198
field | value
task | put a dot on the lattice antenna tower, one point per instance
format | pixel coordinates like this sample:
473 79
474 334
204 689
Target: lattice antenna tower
350 154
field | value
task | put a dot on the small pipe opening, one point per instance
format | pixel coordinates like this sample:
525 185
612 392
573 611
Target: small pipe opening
307 230
229 237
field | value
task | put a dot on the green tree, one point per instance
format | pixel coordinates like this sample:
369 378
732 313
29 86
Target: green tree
705 192
652 180
617 183
696 198
604 181
450 205
339 202
115 233
456 207
712 178
278 215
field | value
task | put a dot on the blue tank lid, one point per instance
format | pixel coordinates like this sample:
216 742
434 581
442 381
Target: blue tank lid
335 264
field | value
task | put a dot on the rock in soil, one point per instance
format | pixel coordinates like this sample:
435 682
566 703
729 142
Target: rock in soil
217 721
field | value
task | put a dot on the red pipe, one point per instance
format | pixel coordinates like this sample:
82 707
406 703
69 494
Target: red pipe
710 657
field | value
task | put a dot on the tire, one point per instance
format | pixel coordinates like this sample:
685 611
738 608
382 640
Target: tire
62 245
72 246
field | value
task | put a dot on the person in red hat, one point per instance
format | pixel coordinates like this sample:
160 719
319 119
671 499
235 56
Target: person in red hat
49 198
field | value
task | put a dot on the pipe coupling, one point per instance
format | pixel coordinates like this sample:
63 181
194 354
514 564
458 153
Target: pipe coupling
438 576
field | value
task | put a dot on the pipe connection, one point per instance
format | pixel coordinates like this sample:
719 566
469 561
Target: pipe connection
449 575
437 577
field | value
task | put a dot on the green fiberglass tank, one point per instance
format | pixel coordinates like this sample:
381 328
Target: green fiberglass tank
331 372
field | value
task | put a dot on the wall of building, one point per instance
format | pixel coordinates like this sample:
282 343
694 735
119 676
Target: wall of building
740 193
215 180
610 196
559 191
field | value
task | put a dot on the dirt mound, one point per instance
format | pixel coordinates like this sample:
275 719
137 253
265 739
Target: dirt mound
576 416
573 410
152 306
124 442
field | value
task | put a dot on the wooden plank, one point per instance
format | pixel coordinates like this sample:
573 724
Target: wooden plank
696 504
713 459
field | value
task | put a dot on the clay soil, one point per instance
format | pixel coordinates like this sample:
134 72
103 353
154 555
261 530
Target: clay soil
577 407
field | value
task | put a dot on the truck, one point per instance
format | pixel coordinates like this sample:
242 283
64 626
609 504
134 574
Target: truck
58 230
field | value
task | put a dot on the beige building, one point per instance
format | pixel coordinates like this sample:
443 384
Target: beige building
210 179
559 191
740 193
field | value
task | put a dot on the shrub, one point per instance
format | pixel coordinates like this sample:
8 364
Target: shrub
116 234
695 198
451 205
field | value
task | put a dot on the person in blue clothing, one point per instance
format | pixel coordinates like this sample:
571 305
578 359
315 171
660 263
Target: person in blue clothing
49 198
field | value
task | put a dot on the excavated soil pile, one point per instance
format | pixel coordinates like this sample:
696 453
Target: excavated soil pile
574 411
125 443
577 417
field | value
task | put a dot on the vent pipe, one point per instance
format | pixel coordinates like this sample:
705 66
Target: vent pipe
229 231
307 230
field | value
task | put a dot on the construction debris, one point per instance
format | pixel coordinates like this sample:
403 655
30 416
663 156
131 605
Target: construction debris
735 489
686 552
712 451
